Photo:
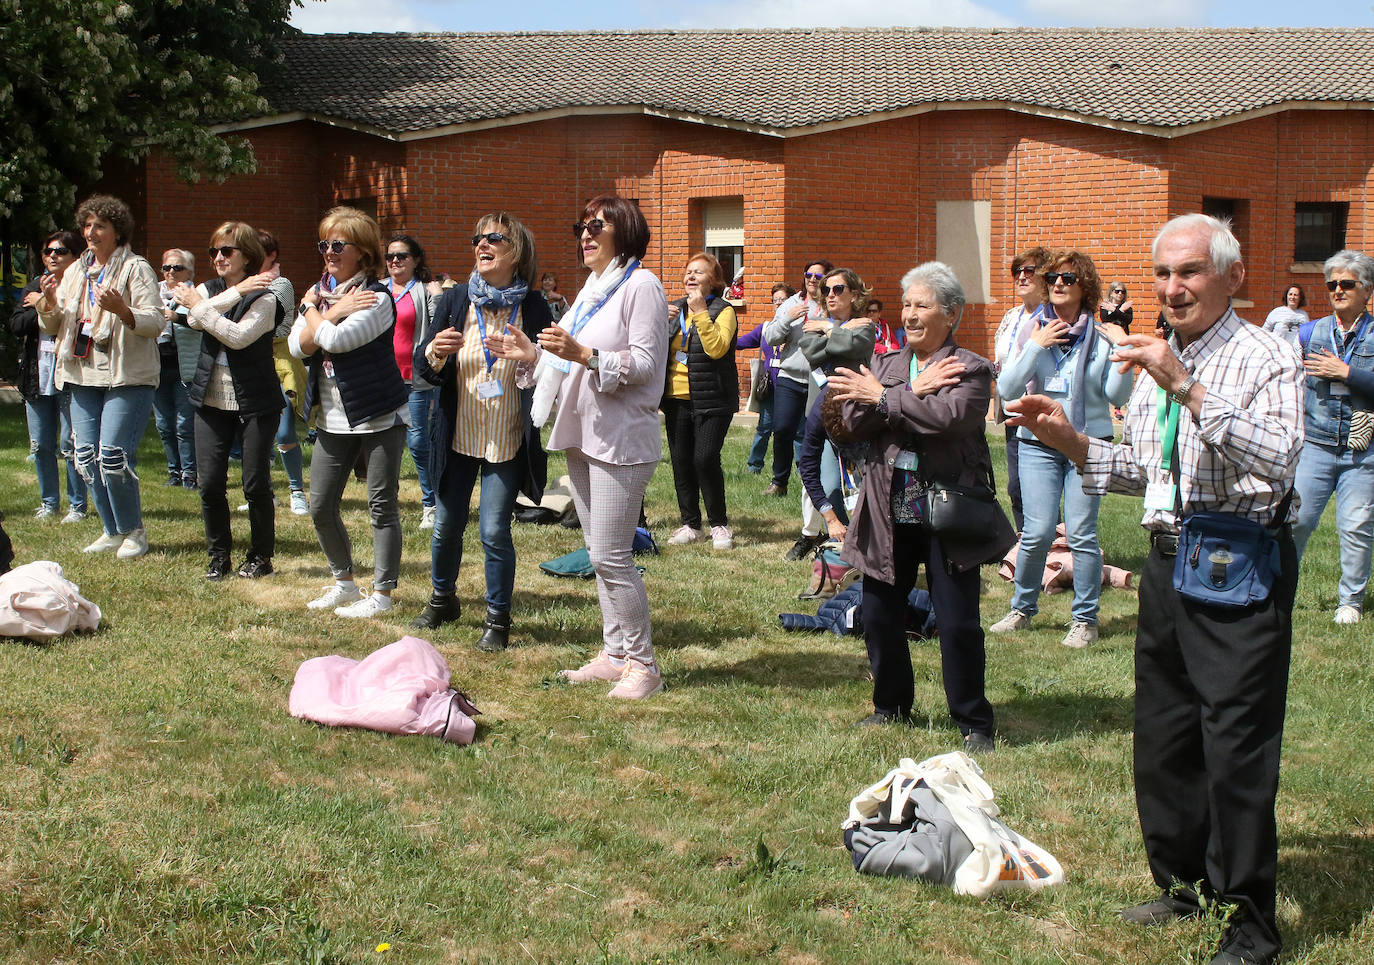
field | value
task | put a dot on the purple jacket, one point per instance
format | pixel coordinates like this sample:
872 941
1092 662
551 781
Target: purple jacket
755 340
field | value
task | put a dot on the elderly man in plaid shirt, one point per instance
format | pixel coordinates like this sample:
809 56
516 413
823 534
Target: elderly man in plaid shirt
1211 681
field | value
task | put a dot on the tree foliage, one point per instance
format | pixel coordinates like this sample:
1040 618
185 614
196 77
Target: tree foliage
90 81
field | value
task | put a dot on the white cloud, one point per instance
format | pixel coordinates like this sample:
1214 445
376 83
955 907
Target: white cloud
852 13
358 16
1119 13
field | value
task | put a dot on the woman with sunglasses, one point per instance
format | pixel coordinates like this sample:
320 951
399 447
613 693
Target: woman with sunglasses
173 413
1338 352
236 394
106 316
1061 354
344 333
603 363
48 408
408 281
784 331
1117 309
1029 288
700 398
481 427
764 394
1285 320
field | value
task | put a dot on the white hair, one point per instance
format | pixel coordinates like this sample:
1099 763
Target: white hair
1222 246
187 258
943 284
1356 262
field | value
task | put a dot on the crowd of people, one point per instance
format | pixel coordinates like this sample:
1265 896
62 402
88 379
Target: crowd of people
1229 428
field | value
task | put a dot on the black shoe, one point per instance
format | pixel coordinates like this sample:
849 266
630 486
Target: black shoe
882 718
173 479
774 489
496 631
254 567
1162 909
220 567
803 547
442 608
189 482
976 743
1237 946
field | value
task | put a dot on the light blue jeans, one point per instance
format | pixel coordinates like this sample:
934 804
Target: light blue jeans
176 422
1323 470
50 437
107 425
417 438
1045 475
500 486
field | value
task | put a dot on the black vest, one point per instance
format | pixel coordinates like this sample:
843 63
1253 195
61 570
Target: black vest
251 368
712 383
370 383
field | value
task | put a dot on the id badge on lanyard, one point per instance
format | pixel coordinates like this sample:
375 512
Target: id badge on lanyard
1163 496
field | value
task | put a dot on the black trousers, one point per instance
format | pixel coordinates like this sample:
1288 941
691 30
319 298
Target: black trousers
789 412
215 432
694 445
1211 689
963 659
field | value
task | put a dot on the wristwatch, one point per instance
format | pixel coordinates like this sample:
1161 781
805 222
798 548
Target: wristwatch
594 362
1180 394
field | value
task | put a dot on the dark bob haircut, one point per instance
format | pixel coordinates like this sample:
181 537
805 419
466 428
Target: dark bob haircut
631 230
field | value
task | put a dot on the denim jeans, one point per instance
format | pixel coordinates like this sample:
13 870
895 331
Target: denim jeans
1045 474
1323 470
789 412
417 438
107 425
290 448
759 449
50 437
500 485
175 418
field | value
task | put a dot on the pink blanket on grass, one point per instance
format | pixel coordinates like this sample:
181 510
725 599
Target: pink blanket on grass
1058 575
403 688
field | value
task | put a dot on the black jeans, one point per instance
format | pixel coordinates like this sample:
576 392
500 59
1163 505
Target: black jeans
694 445
963 659
1211 686
215 432
789 411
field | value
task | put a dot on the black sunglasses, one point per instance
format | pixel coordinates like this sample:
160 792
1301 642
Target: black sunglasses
593 228
1070 277
56 251
222 250
1345 284
336 247
495 237
173 268
837 289
394 255
1025 271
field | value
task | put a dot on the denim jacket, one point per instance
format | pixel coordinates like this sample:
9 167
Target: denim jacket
1328 414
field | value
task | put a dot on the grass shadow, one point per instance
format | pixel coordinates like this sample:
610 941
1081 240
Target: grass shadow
1030 718
1327 876
785 671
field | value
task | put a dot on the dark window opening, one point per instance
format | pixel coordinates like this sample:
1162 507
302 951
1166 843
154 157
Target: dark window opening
1318 229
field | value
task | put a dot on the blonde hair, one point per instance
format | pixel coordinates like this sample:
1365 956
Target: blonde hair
361 231
244 237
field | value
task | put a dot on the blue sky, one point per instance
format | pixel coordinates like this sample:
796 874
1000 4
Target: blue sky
421 15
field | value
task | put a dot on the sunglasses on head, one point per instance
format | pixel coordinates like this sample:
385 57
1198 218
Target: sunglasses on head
56 251
1069 277
332 247
224 251
397 255
593 227
1344 284
1025 271
167 268
814 275
837 289
496 238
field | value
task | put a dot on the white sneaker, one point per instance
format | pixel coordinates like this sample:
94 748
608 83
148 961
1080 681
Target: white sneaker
722 538
44 511
300 506
684 535
74 516
1347 614
334 596
107 542
427 518
369 606
135 544
1013 621
1080 635
275 504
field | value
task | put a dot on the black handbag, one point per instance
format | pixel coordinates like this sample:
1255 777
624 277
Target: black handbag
964 512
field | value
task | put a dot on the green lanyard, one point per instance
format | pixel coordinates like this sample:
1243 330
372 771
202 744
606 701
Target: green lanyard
914 373
1166 417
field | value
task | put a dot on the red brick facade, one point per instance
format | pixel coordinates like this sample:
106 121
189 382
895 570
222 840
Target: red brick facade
864 196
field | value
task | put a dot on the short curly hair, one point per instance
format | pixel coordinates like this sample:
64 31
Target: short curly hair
1089 282
107 207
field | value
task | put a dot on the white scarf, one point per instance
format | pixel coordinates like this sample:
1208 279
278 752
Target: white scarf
549 376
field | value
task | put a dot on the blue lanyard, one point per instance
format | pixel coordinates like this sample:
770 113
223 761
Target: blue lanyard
391 287
1354 342
682 320
482 321
584 314
90 295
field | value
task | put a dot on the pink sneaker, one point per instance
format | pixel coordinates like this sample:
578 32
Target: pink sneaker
600 668
637 683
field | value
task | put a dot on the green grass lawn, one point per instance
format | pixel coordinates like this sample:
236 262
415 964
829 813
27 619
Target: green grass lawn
157 802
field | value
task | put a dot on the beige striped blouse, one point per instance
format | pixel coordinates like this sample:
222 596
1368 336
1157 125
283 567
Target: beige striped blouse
486 428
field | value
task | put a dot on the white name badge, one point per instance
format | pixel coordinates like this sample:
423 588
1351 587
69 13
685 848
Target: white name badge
680 358
49 347
774 362
851 501
489 390
1160 496
906 459
1057 384
87 328
1339 389
562 365
819 377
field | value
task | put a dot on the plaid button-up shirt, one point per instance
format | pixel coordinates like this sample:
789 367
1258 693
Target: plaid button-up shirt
1240 456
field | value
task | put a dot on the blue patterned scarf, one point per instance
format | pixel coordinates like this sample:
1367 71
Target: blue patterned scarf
480 293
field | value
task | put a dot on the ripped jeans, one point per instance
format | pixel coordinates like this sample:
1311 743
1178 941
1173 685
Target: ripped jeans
107 426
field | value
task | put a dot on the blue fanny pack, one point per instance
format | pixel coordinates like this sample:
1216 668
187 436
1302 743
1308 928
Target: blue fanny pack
1226 560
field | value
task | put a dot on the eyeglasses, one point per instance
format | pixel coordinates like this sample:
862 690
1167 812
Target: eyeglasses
56 252
333 247
171 268
873 309
224 251
1025 271
1070 277
395 255
496 238
833 289
593 228
814 276
1344 284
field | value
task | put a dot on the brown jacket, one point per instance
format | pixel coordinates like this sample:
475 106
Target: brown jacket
946 430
